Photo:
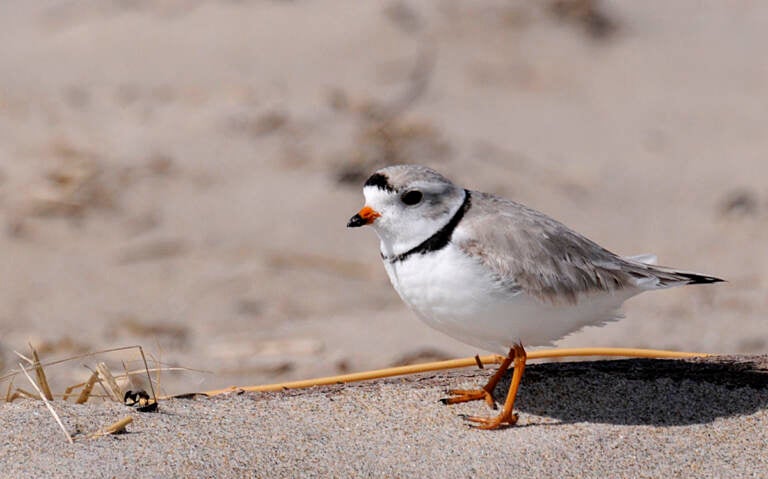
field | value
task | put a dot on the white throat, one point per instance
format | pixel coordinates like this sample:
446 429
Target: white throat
402 230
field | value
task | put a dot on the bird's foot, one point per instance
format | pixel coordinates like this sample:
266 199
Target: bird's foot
467 395
498 422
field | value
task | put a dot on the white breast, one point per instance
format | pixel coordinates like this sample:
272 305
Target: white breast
440 283
454 294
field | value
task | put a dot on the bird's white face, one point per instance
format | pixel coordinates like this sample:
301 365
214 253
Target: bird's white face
404 214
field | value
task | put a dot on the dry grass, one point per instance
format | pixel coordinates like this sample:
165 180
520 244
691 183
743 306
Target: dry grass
46 400
114 385
117 427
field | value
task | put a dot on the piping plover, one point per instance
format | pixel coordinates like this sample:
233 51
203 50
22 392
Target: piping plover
495 274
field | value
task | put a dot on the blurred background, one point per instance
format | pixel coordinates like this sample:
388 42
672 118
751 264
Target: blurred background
178 173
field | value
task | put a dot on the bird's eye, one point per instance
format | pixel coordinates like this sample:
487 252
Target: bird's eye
412 197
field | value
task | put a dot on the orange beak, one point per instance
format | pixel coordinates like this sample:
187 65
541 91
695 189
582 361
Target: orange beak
364 217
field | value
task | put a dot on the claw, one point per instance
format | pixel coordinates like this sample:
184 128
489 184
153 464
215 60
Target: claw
467 395
489 423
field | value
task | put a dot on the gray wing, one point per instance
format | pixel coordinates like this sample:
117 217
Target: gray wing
530 252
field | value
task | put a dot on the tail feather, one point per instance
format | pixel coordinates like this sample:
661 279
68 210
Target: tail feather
648 275
643 258
669 277
694 278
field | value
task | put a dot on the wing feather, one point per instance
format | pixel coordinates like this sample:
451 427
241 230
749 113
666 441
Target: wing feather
531 252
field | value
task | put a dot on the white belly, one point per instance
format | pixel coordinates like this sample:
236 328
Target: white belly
454 294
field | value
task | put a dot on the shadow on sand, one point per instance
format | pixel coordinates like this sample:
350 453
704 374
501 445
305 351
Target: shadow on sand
652 392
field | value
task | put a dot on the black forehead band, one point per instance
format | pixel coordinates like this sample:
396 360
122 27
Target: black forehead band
380 181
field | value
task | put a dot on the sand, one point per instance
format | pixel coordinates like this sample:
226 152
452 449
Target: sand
631 418
170 172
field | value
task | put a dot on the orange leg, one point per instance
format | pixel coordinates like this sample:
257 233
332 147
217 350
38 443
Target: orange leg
486 393
507 417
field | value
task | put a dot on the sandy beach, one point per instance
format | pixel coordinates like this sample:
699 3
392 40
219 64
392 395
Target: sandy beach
632 418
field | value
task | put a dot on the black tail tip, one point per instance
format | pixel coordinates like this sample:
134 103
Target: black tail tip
701 279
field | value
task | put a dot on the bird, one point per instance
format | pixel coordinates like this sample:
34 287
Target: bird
495 274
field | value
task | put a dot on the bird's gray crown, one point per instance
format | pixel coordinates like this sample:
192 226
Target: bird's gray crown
395 178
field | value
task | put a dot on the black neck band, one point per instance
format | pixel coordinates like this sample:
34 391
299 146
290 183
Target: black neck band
438 240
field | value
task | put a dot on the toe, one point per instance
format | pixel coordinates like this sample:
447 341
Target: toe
488 423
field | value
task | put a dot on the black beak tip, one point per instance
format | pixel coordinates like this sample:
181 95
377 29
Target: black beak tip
356 221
